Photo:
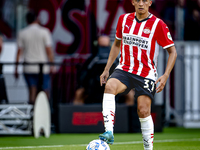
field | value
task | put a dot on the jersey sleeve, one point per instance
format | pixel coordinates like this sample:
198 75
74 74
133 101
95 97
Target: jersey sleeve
119 28
163 35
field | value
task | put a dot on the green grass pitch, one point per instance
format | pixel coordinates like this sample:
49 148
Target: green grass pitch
169 139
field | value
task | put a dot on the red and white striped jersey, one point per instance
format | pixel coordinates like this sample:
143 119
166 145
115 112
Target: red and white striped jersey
140 42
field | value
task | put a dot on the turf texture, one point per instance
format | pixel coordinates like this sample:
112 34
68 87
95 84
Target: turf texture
170 139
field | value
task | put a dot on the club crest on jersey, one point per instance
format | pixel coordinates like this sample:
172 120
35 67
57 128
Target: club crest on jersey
147 31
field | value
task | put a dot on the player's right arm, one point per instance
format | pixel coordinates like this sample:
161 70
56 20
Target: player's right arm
112 56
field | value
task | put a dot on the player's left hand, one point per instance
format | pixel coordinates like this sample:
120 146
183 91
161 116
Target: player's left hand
162 81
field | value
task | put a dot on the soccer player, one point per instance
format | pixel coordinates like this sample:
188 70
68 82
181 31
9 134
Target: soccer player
138 36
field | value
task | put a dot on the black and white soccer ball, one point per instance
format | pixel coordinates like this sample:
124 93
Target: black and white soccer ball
97 145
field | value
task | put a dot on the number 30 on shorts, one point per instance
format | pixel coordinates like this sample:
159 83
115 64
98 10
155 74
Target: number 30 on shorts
149 85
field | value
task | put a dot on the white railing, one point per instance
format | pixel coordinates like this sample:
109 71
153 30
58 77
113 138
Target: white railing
192 82
186 109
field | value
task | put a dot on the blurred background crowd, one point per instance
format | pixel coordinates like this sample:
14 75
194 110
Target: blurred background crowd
82 33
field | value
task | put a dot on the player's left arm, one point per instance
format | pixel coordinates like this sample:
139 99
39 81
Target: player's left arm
170 64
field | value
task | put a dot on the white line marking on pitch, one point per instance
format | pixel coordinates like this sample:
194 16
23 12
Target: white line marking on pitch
158 141
116 143
31 147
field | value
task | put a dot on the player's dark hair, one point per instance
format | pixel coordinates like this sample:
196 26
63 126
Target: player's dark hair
31 17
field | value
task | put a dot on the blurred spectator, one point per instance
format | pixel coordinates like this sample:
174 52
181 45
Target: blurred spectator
174 16
127 99
192 26
3 95
35 42
153 9
88 75
198 4
89 89
1 43
180 14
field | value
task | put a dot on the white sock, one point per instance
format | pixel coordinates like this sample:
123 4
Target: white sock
108 111
147 128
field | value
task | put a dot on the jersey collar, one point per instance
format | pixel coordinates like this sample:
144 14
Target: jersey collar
139 21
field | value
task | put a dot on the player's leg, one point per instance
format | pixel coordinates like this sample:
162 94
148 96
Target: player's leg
147 126
112 88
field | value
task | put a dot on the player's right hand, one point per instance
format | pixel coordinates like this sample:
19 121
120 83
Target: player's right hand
104 77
